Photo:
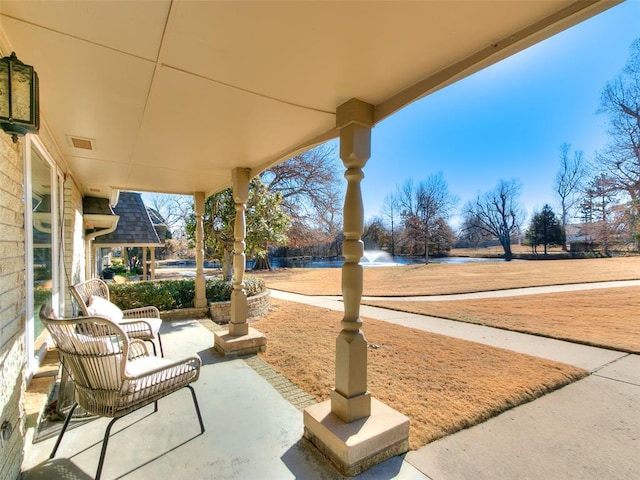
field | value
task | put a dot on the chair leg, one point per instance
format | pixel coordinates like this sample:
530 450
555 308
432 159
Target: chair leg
195 403
105 441
155 353
64 428
160 343
153 344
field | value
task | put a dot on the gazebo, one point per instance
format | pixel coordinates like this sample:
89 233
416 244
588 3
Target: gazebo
134 229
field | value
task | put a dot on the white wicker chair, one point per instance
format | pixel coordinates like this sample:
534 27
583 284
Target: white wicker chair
114 375
143 323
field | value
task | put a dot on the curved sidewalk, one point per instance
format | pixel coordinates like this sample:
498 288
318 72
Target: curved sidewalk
514 292
587 430
583 356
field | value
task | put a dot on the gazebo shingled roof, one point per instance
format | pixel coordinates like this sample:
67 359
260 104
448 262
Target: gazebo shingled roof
135 228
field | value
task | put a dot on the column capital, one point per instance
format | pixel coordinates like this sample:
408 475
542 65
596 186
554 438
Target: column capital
198 202
240 179
354 111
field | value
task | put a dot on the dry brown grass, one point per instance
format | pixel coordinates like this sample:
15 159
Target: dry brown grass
439 279
606 317
442 384
498 251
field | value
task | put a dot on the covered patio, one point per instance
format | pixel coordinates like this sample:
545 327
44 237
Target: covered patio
252 430
187 97
254 424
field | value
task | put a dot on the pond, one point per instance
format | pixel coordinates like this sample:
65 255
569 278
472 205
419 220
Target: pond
310 262
370 259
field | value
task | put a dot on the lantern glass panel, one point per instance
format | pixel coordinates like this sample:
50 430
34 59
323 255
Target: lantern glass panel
21 93
4 90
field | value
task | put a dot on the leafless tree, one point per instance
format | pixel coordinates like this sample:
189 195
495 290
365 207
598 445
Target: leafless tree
497 213
423 205
311 189
390 214
597 208
175 209
568 182
620 160
375 235
469 235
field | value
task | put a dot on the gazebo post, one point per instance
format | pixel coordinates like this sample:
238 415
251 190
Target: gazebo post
144 263
152 262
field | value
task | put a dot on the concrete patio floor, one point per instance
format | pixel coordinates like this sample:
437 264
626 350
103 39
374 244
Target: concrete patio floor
252 431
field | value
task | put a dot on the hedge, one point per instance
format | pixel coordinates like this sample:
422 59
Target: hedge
174 294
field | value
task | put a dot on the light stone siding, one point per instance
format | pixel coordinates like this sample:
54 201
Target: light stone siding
74 261
12 306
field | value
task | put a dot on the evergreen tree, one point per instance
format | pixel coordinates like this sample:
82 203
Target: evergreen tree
545 229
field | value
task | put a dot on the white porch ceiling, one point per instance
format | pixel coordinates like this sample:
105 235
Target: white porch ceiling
176 94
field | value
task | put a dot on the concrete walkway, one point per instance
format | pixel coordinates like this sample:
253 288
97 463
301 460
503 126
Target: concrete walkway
588 430
513 292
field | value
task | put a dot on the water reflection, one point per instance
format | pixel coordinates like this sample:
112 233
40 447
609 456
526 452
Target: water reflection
319 262
308 262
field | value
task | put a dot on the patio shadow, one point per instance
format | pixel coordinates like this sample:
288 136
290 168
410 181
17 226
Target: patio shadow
62 468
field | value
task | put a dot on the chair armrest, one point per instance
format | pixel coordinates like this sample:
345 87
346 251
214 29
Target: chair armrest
137 349
142 312
137 326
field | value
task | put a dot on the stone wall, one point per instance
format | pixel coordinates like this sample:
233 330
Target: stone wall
220 312
257 306
12 311
184 314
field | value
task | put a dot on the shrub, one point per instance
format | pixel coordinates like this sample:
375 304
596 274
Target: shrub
219 290
142 294
173 294
118 268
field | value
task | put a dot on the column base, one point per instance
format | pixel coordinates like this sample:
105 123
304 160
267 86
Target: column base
351 409
354 447
229 345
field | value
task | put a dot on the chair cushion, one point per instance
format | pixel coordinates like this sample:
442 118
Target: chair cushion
144 365
101 307
152 375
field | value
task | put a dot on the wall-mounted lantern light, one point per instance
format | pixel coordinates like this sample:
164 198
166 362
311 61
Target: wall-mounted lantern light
19 105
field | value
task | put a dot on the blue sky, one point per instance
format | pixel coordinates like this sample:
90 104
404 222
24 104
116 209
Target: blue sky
507 121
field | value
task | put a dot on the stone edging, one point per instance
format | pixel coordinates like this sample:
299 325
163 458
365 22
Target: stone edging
220 312
290 391
184 313
257 306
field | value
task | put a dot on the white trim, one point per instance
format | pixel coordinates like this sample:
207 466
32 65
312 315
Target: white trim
33 358
28 248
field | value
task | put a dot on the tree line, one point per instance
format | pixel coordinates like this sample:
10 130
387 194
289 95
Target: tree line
295 208
599 197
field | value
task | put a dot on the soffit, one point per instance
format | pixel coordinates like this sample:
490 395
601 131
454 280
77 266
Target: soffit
176 94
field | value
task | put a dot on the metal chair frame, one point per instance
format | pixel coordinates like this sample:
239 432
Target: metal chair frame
114 375
135 321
